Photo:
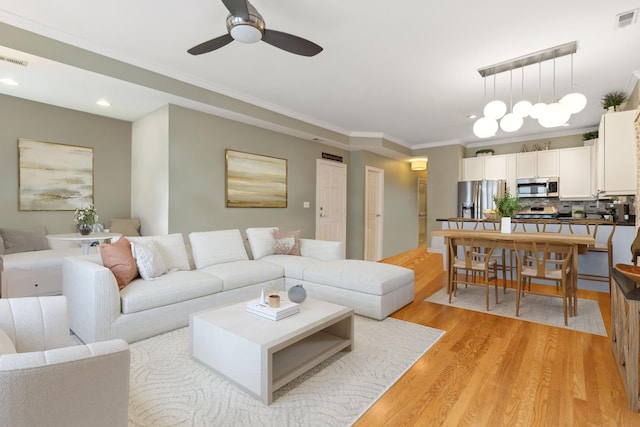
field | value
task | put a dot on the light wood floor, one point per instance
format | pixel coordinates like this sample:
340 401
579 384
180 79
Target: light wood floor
494 371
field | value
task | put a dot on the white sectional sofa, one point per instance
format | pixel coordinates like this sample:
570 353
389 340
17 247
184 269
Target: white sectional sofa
29 266
223 274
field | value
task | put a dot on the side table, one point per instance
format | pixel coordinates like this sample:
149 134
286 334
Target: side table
85 241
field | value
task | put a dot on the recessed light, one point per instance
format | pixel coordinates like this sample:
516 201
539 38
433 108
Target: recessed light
10 82
103 103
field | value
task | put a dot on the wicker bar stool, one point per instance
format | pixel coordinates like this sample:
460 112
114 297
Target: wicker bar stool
602 232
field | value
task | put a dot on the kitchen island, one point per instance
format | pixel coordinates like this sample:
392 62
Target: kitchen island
589 263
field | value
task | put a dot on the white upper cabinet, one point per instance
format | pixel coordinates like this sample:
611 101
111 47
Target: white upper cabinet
512 172
537 164
484 167
473 169
495 167
616 159
526 165
547 163
576 174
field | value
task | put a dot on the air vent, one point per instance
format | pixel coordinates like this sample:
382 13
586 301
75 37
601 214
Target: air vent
626 18
14 61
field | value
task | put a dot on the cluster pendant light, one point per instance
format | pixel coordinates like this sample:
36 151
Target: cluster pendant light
555 114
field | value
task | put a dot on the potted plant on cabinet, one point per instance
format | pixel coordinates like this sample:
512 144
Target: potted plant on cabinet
611 100
506 206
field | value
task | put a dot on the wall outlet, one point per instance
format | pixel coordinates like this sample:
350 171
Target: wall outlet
305 205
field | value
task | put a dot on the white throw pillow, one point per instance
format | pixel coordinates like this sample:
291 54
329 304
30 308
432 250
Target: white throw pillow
261 241
6 345
172 248
149 260
217 247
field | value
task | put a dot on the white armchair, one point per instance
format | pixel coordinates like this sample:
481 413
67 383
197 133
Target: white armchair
47 381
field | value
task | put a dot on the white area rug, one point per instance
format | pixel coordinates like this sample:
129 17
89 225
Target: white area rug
533 308
168 388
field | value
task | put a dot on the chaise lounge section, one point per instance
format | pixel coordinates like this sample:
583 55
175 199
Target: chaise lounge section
223 274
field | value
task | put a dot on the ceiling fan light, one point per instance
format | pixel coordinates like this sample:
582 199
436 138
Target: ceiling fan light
522 108
537 110
245 33
495 109
511 122
485 127
574 101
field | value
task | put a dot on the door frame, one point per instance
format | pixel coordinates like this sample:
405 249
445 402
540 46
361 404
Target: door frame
319 164
380 178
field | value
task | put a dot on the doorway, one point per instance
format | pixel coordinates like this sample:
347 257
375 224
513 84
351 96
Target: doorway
422 211
331 201
374 213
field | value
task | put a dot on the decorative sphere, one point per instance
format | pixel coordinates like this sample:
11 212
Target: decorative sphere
297 294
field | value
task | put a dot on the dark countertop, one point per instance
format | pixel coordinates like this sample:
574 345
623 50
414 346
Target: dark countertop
630 223
628 287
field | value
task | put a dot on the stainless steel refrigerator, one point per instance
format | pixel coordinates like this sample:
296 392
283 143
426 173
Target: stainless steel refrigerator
476 196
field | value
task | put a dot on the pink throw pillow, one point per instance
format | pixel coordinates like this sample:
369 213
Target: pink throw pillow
118 258
286 242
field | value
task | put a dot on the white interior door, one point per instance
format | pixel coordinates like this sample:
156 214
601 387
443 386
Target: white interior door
373 215
331 201
422 211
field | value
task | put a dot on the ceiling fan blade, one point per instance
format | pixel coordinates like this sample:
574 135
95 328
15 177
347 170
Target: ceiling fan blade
210 45
291 43
237 8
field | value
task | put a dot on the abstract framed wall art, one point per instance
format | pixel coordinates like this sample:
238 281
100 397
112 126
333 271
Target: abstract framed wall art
54 177
255 181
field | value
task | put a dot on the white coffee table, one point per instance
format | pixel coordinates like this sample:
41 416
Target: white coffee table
262 355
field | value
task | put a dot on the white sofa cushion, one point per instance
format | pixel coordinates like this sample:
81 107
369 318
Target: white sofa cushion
361 276
216 247
294 266
171 288
171 247
238 274
321 249
149 260
261 241
6 345
38 260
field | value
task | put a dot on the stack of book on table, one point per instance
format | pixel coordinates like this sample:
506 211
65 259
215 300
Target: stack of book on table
286 309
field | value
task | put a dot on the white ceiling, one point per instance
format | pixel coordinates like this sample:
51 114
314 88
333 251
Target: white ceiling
406 69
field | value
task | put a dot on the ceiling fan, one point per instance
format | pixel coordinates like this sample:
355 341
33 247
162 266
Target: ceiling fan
246 25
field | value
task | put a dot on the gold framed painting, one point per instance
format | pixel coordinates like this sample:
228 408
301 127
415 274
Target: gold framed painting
54 177
255 181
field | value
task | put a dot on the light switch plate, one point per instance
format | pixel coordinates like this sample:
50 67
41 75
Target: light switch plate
305 205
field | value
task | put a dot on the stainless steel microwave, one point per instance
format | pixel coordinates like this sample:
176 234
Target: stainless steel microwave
537 187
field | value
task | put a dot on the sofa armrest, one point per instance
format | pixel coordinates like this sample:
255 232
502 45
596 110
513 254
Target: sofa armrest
71 386
321 249
92 295
35 323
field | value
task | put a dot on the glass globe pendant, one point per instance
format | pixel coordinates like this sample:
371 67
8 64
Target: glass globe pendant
485 127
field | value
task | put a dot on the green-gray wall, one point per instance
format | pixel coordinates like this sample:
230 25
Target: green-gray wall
175 177
400 204
442 185
110 139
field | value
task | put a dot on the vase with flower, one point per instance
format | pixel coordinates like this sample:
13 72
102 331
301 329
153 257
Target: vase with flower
85 218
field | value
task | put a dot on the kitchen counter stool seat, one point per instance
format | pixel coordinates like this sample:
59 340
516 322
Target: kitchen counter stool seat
476 259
